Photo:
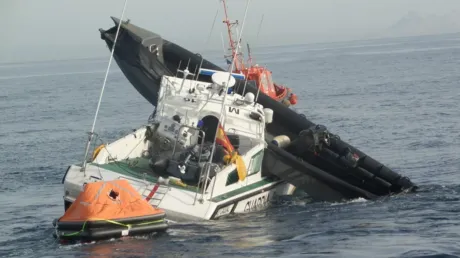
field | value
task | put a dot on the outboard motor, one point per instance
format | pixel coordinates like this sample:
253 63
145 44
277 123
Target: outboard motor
315 138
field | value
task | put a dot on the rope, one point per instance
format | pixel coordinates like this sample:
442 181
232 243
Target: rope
103 87
129 226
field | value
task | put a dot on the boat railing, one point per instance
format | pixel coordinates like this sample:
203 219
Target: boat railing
144 180
202 170
257 134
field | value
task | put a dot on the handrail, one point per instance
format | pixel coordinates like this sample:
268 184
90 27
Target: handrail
199 158
258 133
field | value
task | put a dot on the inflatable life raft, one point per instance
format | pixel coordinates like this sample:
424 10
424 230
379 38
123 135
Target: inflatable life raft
333 172
108 209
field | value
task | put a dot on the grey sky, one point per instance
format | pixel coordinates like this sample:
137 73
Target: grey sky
54 27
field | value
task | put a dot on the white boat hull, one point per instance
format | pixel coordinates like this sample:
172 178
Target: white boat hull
182 204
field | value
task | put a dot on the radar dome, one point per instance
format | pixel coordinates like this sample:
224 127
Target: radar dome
249 97
221 78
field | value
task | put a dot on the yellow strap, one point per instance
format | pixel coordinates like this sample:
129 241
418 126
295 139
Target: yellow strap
240 167
239 162
177 182
113 222
97 150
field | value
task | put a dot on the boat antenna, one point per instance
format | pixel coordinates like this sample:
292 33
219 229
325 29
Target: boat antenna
235 49
177 72
91 134
212 27
256 41
257 96
206 43
223 44
222 117
186 72
250 56
245 83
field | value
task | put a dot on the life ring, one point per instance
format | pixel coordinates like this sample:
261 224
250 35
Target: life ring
97 150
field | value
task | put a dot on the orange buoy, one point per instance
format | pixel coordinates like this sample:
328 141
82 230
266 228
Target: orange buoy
293 99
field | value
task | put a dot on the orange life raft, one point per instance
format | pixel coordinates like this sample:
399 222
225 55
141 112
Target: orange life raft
109 209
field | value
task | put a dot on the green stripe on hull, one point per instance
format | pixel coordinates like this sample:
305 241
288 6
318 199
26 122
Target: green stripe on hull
241 190
139 168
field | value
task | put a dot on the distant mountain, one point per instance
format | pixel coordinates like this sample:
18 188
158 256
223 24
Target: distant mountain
414 24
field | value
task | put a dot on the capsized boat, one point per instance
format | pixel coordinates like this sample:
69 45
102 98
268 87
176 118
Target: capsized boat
253 72
199 157
108 209
307 156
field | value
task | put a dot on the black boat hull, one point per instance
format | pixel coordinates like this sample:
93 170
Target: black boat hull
144 57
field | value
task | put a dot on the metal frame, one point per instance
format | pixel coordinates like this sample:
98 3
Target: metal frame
206 166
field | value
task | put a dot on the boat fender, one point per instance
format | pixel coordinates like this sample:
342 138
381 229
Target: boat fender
268 115
281 141
97 150
286 102
293 99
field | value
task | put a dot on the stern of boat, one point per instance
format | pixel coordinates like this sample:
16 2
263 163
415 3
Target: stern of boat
72 181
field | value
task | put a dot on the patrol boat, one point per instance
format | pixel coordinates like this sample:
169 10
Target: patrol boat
199 156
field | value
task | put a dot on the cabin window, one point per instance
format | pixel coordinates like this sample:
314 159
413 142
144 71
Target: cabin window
255 164
232 177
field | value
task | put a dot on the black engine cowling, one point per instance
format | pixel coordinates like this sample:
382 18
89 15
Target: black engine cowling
315 138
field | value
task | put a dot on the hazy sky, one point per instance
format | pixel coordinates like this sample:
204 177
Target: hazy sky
61 28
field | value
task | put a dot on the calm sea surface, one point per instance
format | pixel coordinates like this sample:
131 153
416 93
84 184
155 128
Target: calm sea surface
395 99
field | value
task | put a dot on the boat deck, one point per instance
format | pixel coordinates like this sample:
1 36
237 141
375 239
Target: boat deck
139 168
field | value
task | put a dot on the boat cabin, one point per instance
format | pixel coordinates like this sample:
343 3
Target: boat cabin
199 123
